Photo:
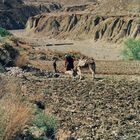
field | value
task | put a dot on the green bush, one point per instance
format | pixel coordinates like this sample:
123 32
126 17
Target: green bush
47 123
4 32
131 49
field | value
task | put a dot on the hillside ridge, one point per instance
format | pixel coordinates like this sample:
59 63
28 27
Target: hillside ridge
82 25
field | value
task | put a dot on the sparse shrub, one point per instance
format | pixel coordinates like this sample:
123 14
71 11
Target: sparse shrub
15 113
21 60
48 123
2 39
8 55
4 32
14 117
13 53
131 49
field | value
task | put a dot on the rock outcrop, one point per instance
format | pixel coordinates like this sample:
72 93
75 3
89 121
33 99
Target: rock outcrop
14 13
85 25
8 55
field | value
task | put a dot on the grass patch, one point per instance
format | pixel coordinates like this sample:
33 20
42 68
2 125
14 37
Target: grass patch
15 113
4 32
47 123
131 50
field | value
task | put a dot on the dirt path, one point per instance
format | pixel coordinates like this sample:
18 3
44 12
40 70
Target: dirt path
99 50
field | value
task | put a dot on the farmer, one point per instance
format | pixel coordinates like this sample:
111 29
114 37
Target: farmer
55 65
69 62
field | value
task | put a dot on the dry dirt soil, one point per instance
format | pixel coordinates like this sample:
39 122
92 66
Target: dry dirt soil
106 109
100 50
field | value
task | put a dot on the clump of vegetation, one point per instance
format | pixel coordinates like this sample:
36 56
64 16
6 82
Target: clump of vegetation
9 55
47 123
17 117
132 137
131 49
4 32
14 112
22 60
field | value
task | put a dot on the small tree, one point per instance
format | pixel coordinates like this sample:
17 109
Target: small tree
131 49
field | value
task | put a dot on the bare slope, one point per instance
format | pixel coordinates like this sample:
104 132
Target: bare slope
107 20
84 25
103 6
119 6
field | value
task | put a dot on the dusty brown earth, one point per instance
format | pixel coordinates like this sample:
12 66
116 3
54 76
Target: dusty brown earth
105 108
100 50
108 56
95 109
101 109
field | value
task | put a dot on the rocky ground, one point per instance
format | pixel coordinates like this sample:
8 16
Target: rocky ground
100 109
105 108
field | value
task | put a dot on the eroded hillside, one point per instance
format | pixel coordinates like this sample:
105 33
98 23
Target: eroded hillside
14 13
84 25
107 20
